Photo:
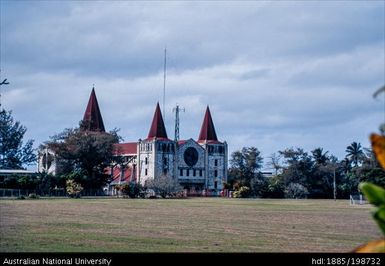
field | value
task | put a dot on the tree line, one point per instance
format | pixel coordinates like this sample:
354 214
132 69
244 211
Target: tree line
301 174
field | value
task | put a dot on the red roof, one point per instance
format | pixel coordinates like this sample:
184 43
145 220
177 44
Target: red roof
157 130
116 175
92 116
181 142
207 130
125 148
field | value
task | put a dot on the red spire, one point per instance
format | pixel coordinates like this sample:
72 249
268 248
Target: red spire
157 129
92 119
208 130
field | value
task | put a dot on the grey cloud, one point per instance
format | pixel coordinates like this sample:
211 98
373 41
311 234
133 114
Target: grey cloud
274 74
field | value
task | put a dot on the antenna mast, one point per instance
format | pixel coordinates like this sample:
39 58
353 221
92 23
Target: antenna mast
164 83
177 109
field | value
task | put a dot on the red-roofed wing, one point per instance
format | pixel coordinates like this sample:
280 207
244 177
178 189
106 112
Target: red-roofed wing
116 175
128 148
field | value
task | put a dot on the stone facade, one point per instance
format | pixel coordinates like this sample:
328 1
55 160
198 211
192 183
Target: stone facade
199 167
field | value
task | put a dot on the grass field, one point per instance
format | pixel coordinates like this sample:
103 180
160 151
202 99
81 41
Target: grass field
185 225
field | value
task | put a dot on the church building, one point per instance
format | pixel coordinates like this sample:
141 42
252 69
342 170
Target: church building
199 165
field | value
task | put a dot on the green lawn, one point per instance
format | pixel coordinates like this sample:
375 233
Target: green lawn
188 225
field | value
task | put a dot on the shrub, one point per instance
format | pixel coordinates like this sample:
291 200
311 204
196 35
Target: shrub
258 186
21 197
296 191
165 186
276 187
131 189
33 196
73 188
242 192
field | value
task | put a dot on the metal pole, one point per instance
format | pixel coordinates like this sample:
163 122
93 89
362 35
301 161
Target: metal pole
164 84
334 184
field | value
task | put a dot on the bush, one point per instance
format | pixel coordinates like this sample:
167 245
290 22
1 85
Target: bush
242 192
73 188
296 191
258 186
21 197
131 189
276 187
165 186
33 196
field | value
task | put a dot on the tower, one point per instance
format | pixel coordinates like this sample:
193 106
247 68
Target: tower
156 153
207 133
92 119
177 109
215 154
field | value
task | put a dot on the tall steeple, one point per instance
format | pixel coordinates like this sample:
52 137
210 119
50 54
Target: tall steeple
207 130
92 119
157 130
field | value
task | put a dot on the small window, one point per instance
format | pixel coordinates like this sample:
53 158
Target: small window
145 171
215 184
146 160
188 172
216 173
165 161
200 172
194 172
216 162
181 172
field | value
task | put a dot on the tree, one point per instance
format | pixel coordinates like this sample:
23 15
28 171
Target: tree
315 172
165 186
319 156
299 166
276 186
321 185
296 191
245 165
84 155
370 170
355 153
275 162
13 153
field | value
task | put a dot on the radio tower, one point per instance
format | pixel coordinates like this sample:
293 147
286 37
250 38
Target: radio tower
177 109
164 83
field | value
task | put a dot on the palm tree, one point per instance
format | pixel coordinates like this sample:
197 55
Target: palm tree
319 156
355 153
345 166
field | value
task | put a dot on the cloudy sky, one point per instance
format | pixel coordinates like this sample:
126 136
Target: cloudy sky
275 74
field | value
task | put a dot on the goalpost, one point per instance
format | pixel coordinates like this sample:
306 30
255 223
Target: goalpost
356 199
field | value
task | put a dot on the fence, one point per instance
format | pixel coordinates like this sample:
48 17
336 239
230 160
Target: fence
14 193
